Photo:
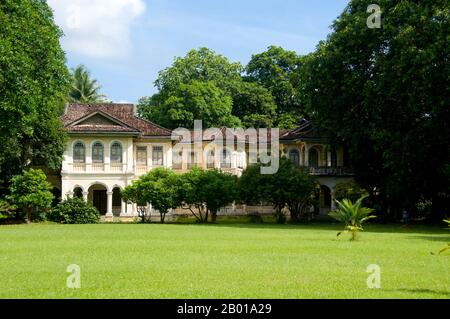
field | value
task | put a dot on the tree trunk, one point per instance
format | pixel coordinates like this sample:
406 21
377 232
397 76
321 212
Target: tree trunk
27 157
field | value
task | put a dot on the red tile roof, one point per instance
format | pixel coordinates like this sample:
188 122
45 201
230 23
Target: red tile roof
122 113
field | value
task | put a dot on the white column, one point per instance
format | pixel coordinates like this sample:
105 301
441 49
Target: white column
129 209
109 211
306 155
85 196
69 194
123 208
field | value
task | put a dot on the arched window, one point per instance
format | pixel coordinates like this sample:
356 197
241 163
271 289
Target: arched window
97 152
225 160
313 158
294 156
210 159
78 192
116 153
79 153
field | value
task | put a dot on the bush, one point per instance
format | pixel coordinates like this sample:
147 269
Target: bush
74 211
31 192
7 211
255 218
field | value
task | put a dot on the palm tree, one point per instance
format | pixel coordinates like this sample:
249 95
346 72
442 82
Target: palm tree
448 245
352 215
84 89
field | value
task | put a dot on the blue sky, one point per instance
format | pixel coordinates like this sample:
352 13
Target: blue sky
126 42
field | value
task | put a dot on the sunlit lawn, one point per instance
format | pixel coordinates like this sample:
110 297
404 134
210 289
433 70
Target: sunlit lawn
221 261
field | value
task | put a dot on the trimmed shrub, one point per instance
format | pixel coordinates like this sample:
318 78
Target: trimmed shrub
31 193
74 211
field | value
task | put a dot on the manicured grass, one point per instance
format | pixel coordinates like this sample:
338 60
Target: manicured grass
221 261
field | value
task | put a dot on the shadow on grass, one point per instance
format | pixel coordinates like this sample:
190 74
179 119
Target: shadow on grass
431 232
423 291
437 238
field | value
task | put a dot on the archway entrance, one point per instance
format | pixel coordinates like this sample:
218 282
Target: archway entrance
325 200
326 197
98 197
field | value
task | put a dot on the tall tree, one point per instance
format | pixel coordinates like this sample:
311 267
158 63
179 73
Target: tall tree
253 104
206 86
200 189
84 88
160 187
189 102
385 92
195 87
278 71
34 83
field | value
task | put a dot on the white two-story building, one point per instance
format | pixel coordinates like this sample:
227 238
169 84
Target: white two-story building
110 146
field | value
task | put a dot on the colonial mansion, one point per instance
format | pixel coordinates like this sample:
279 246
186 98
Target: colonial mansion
109 147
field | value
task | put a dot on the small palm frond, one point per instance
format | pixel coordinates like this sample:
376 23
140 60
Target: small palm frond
352 215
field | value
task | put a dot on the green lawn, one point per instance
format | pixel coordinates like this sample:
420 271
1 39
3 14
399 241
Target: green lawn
221 261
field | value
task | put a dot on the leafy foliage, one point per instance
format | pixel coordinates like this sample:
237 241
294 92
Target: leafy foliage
31 193
34 82
206 191
384 93
278 71
254 105
195 87
6 209
204 85
74 211
188 102
290 187
160 187
352 215
84 89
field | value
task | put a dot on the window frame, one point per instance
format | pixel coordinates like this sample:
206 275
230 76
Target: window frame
75 159
141 150
158 161
223 157
297 161
93 155
111 156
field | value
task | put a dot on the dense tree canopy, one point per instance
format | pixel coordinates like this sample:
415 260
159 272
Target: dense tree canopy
189 102
204 85
254 105
385 93
206 191
195 87
34 82
278 71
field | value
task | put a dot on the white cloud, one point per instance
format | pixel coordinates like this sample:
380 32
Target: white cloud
97 28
